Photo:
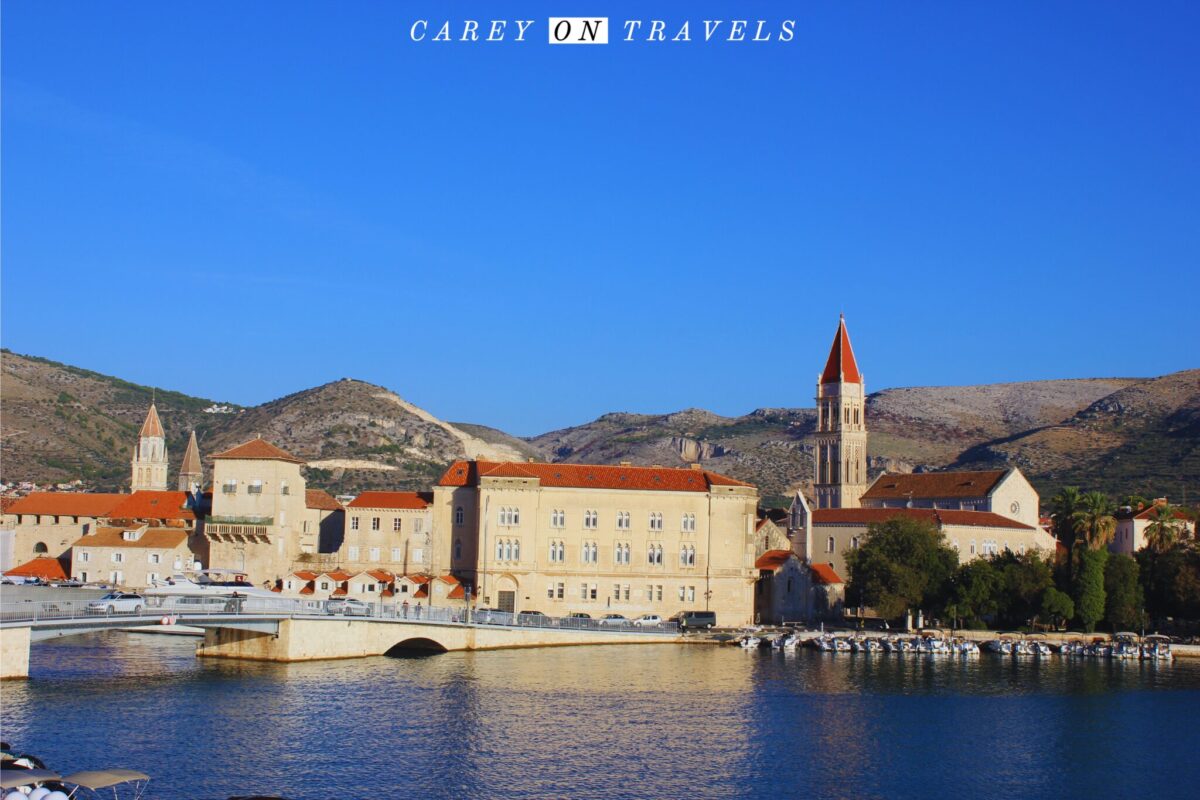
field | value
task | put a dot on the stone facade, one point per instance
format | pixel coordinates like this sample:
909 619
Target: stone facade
389 530
149 464
132 558
840 475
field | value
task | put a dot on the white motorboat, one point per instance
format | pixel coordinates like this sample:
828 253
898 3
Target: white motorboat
1156 647
790 642
841 645
214 582
750 642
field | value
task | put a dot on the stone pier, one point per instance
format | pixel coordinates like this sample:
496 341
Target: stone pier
14 653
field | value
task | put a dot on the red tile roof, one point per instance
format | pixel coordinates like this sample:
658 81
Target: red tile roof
154 538
448 579
339 592
457 593
340 575
321 499
43 567
67 504
305 575
152 426
6 502
841 365
259 450
823 573
901 485
589 476
308 590
1151 513
422 592
773 559
866 516
149 504
381 575
397 500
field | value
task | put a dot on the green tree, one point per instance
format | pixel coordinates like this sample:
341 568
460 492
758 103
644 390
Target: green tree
1063 507
1089 588
1164 529
1024 579
973 591
1171 581
1093 520
1123 593
904 563
1057 607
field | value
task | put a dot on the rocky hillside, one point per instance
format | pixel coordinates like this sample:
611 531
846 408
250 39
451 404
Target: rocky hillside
1122 435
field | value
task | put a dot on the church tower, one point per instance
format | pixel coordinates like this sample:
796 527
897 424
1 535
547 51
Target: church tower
841 439
191 473
150 455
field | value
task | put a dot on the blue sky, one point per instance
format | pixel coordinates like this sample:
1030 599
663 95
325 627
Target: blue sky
242 200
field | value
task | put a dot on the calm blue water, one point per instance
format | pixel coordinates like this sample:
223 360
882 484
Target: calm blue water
648 721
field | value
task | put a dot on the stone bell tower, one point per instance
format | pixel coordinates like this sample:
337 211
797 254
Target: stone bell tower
150 455
841 439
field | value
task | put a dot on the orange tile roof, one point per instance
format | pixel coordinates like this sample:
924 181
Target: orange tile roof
308 590
156 538
6 502
149 504
259 450
321 499
933 485
422 592
448 579
305 575
381 575
339 592
841 365
1150 513
589 476
773 559
43 567
67 504
398 500
417 579
866 516
457 593
340 575
825 574
152 426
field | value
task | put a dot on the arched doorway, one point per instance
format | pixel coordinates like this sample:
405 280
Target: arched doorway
40 549
506 593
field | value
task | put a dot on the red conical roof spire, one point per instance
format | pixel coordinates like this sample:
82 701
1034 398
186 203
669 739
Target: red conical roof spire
152 427
841 365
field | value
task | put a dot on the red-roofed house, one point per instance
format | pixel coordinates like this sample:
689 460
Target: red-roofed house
1001 491
1130 535
46 523
131 557
42 568
388 530
590 538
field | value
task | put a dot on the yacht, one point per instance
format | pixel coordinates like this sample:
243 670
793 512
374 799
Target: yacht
212 582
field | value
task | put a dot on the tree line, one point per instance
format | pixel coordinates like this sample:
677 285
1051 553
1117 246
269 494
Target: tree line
906 564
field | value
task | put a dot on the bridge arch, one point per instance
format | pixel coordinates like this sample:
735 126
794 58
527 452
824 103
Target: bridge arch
415 646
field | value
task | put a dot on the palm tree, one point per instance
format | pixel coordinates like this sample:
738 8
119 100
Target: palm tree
1093 521
1164 529
1065 504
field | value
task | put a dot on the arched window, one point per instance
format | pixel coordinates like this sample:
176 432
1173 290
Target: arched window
458 516
562 551
517 550
829 545
554 551
40 548
499 550
683 556
854 542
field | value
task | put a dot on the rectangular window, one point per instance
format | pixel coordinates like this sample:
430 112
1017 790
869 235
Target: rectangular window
85 556
229 487
550 591
374 523
591 519
562 590
151 577
353 556
691 594
626 588
396 525
659 593
418 525
255 487
583 591
682 592
395 554
374 553
593 594
616 591
117 558
650 593
153 558
324 586
370 587
354 523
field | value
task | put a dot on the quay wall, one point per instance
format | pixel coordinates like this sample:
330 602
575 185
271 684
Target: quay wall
14 653
314 640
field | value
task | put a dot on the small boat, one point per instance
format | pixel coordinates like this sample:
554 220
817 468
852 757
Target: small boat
1157 647
789 642
205 582
750 642
97 779
841 645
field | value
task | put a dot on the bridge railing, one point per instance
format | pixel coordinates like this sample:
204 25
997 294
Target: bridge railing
169 606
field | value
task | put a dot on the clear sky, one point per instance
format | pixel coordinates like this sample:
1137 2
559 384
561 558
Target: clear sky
244 199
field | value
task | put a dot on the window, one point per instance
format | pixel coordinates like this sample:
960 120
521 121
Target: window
418 525
589 553
682 593
370 587
625 588
117 558
616 595
458 515
691 592
153 558
395 554
550 591
129 536
829 545
656 521
354 523
553 552
854 542
283 488
687 556
593 592
562 590
306 526
517 550
508 552
84 555
353 556
583 591
457 549
374 523
499 550
83 577
324 586
591 519
510 516
658 592
396 522
255 487
558 518
972 547
650 593
374 553
688 523
229 487
40 547
623 520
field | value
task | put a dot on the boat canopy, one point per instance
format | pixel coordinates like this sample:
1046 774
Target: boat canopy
14 778
1157 637
103 778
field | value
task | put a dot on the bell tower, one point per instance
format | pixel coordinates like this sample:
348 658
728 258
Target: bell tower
841 440
150 455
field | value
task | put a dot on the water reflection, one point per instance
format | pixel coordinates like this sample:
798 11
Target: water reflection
661 721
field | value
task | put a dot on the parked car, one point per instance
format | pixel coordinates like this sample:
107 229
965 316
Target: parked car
349 607
648 621
578 615
695 619
532 618
117 603
617 620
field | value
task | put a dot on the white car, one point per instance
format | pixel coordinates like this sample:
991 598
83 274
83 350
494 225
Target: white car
117 603
648 621
350 607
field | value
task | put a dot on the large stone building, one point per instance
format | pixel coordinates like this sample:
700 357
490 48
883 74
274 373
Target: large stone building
132 557
1130 534
1001 491
48 523
389 530
575 538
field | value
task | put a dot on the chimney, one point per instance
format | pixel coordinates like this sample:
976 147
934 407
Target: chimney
626 463
696 465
